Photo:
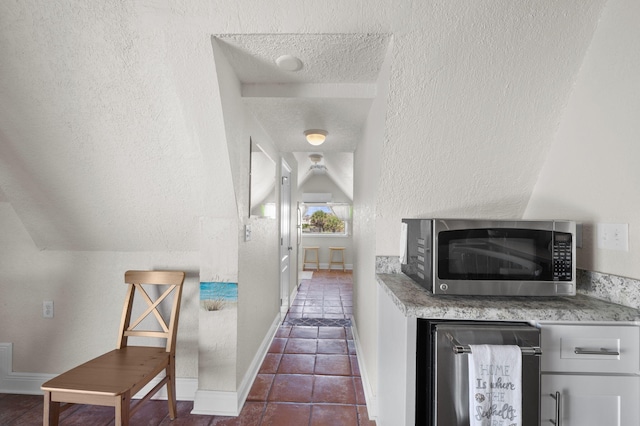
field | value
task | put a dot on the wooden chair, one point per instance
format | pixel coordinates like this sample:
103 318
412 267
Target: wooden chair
114 378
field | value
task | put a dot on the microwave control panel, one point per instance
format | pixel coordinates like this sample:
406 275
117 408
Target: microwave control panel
562 257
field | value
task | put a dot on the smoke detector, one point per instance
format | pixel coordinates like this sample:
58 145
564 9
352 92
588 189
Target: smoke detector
289 63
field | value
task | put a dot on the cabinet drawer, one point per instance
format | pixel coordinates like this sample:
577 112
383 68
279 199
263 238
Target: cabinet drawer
590 348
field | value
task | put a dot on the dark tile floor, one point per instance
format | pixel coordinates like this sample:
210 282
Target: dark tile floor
309 377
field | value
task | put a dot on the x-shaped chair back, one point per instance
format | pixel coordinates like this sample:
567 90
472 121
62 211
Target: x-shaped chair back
135 280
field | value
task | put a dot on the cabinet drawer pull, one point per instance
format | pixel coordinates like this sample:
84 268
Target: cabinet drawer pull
601 351
558 419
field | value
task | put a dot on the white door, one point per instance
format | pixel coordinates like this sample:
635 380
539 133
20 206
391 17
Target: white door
285 236
590 400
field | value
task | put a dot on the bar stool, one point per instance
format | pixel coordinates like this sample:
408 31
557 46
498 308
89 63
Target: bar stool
314 260
339 260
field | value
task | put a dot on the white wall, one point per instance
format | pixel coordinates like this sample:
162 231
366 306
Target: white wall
323 183
220 237
323 244
365 200
591 173
259 268
256 261
88 291
468 133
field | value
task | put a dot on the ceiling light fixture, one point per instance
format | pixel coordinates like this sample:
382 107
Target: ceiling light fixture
315 158
316 136
317 169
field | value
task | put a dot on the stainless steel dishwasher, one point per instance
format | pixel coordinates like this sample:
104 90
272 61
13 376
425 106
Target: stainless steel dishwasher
442 386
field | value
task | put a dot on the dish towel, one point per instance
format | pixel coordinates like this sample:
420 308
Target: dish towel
495 385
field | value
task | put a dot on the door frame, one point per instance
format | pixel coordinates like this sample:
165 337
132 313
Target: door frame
285 237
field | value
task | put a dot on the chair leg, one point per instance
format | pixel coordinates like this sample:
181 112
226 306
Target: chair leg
51 411
171 389
123 404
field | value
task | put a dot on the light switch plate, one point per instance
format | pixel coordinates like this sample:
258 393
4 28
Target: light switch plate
613 236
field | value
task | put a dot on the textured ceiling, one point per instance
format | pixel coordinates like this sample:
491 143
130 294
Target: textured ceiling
332 91
111 127
285 120
326 58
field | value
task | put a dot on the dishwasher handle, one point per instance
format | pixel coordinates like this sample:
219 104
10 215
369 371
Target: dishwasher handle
465 349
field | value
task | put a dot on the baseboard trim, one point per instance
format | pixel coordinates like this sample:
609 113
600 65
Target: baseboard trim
215 403
228 403
185 389
293 295
347 267
369 395
18 383
284 308
258 359
29 383
325 266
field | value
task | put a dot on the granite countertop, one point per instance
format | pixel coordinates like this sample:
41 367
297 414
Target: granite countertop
414 301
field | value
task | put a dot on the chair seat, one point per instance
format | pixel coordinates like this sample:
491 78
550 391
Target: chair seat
113 373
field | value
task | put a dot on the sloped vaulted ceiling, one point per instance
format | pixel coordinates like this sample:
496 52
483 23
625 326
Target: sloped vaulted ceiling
96 151
105 107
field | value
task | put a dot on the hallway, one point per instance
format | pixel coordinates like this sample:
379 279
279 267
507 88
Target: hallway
310 375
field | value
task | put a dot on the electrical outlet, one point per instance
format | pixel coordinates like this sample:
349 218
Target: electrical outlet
613 236
47 309
247 232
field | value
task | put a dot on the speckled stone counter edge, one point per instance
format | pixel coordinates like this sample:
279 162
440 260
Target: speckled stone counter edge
620 290
600 298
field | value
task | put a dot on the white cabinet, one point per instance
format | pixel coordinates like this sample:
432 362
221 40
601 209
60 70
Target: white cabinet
396 364
590 400
590 374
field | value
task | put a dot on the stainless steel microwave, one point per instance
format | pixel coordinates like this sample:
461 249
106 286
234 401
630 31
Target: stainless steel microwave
491 257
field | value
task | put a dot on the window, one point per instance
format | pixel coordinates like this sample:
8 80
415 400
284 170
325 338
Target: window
325 218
